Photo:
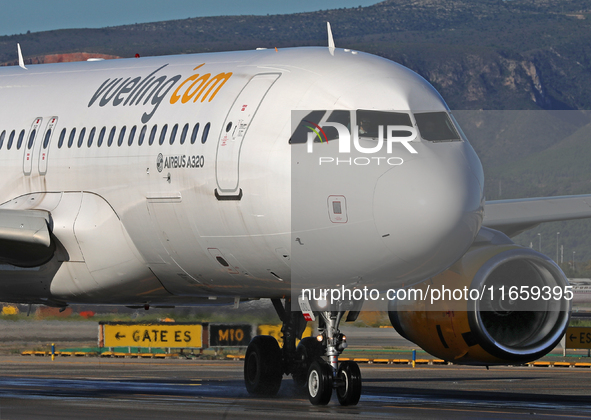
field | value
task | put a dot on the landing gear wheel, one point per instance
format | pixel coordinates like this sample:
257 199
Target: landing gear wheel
349 389
262 366
308 350
319 383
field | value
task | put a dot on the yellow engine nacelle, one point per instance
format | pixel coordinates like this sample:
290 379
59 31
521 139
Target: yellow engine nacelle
489 327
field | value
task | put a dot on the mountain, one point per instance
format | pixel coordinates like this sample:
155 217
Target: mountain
485 54
515 71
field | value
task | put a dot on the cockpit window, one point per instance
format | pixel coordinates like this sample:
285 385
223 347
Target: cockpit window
300 135
436 126
310 122
369 123
338 116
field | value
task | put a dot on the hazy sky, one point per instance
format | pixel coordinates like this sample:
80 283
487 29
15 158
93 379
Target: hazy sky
20 16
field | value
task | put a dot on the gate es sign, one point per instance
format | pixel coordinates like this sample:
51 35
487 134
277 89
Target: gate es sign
153 335
578 338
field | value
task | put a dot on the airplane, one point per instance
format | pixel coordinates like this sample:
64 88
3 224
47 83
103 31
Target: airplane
222 177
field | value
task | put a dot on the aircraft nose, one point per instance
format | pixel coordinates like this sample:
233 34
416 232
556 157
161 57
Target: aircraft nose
428 210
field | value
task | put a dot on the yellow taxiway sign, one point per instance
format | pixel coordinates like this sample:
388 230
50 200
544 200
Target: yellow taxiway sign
153 335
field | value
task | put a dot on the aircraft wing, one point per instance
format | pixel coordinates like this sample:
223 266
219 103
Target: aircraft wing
515 216
25 238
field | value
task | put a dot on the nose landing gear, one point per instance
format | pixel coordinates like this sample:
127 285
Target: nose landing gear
313 365
320 383
348 383
324 376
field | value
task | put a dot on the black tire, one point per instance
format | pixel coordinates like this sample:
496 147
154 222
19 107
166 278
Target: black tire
349 377
308 350
262 366
319 382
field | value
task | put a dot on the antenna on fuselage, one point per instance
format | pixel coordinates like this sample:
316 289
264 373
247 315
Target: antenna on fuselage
21 62
330 39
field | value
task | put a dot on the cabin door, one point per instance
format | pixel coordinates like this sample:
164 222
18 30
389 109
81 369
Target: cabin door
233 133
29 144
44 149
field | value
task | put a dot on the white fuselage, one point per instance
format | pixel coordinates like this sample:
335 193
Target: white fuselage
156 223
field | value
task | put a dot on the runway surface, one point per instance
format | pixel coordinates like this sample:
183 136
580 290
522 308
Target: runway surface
93 388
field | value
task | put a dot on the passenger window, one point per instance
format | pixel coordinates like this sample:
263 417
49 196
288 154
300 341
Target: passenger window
140 141
10 140
71 138
131 136
436 126
152 135
46 139
91 136
173 133
121 136
81 137
184 133
60 142
194 133
163 134
21 136
31 139
111 136
99 142
205 133
2 138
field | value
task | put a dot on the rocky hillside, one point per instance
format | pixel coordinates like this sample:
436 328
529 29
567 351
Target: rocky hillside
480 54
485 54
